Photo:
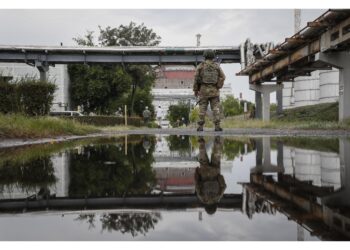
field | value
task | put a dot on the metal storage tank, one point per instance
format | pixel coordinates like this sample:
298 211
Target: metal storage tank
288 160
330 169
329 86
307 89
308 166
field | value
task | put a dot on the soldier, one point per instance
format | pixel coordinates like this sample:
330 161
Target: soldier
146 115
210 184
119 113
209 79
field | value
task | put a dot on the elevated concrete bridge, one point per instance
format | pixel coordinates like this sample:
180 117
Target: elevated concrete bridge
321 44
44 56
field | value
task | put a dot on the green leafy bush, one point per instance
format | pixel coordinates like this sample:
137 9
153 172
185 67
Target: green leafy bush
7 98
35 96
28 96
177 112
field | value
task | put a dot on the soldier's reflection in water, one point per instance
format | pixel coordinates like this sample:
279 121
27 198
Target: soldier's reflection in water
210 184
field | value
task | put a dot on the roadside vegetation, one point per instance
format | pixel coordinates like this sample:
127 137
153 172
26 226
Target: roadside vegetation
21 126
321 116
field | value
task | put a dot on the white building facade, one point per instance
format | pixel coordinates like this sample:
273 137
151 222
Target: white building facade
174 84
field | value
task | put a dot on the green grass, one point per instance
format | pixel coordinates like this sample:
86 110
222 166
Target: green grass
311 143
321 116
320 112
275 124
20 126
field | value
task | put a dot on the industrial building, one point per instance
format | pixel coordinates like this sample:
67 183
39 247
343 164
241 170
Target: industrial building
174 84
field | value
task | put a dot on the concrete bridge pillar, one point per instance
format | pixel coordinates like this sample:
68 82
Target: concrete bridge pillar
259 151
265 91
279 99
43 69
263 157
340 60
267 151
341 197
263 150
258 105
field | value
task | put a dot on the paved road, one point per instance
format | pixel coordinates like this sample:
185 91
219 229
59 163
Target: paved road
5 143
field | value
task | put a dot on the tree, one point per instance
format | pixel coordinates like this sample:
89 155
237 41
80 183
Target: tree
98 87
126 223
104 88
180 144
128 35
231 106
177 112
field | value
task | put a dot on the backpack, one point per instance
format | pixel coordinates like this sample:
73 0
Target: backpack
210 73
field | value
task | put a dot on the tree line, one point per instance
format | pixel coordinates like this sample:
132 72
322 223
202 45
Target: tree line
103 88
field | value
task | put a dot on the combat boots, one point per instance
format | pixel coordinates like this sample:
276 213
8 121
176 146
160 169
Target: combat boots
200 126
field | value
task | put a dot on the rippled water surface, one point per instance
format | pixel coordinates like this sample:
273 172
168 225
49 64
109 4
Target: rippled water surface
143 187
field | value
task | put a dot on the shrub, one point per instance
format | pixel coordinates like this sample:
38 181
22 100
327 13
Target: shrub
194 115
7 98
35 96
177 112
28 96
231 106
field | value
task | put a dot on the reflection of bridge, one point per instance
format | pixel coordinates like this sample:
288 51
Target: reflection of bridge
316 208
169 202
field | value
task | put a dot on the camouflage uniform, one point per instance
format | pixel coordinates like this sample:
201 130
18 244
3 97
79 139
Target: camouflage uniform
146 115
210 184
208 93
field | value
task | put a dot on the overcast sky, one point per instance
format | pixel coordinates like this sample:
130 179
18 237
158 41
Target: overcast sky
176 27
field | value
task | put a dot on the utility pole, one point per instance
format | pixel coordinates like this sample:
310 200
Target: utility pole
198 40
297 23
297 20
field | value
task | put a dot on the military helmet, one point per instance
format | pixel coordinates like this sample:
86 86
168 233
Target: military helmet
209 54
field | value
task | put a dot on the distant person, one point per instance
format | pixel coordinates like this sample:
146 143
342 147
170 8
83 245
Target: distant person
146 144
146 115
159 115
209 79
183 122
210 184
119 113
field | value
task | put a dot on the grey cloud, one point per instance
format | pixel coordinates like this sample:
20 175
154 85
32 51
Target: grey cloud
175 26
